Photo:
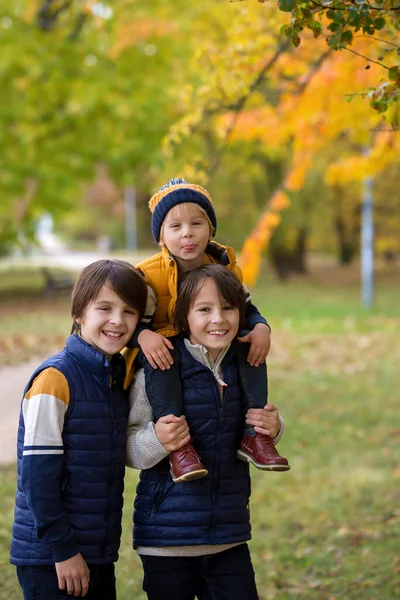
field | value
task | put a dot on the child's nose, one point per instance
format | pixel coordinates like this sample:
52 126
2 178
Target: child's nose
116 318
217 316
187 231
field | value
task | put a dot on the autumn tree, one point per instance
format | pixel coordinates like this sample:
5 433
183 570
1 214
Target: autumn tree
340 23
82 85
256 87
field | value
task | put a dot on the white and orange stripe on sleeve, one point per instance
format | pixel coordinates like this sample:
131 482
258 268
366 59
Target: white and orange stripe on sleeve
44 407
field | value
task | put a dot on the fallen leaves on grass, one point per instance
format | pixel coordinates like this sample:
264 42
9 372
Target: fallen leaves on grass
332 354
18 348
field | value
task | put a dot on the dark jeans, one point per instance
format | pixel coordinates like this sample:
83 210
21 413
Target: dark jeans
228 575
41 583
254 382
164 392
163 388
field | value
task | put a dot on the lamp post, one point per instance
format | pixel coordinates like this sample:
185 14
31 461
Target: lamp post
367 244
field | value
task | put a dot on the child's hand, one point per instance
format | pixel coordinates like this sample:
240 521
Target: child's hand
265 420
172 432
73 575
260 340
155 348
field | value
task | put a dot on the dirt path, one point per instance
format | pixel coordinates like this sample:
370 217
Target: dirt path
12 382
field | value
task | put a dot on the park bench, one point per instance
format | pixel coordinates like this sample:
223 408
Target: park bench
56 282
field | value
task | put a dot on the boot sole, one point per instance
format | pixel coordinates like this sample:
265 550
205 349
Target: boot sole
246 458
190 476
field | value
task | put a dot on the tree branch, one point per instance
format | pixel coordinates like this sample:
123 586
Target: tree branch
46 17
376 62
239 105
328 7
371 37
315 67
79 23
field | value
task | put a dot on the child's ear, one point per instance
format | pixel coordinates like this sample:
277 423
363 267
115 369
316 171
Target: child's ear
79 320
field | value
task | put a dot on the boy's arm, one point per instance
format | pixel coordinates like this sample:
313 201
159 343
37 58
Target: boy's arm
149 443
44 407
259 336
155 347
253 316
145 323
143 449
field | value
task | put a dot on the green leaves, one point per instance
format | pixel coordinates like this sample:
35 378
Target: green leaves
67 105
344 19
316 29
394 75
286 5
379 23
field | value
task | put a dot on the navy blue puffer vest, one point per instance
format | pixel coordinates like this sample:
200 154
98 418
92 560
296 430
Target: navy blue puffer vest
94 438
214 509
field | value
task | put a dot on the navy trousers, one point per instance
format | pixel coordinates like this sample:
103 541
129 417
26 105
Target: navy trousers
227 575
41 583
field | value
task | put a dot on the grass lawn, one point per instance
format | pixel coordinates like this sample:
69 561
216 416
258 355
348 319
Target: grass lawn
31 321
329 528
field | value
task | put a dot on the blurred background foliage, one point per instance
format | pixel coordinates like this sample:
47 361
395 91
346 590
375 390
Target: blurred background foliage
97 97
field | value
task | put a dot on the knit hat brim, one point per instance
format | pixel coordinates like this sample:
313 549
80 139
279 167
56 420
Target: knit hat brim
168 197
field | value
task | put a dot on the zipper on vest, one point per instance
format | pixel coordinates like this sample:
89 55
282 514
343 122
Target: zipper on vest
217 461
221 384
113 413
113 404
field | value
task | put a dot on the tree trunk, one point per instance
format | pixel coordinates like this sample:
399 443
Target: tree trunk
299 252
286 261
348 239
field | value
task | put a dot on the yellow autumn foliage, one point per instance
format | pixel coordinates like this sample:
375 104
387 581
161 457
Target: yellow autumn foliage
279 201
294 181
300 109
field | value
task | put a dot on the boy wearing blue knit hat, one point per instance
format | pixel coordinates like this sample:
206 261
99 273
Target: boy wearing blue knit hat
184 223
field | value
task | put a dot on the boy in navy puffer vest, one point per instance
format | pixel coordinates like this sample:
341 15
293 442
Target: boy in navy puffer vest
71 445
192 539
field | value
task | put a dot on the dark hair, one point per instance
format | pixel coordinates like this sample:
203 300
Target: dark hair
126 281
229 289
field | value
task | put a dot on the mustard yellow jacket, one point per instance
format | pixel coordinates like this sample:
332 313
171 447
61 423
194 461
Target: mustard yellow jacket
161 272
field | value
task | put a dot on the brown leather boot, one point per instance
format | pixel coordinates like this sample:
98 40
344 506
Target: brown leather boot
185 464
260 450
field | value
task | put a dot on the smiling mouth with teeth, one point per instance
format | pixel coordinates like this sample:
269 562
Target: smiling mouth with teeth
113 336
222 332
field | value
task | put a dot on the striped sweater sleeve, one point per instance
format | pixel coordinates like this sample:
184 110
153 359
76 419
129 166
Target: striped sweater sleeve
143 448
44 407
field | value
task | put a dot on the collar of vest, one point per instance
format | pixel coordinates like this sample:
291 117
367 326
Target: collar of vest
92 359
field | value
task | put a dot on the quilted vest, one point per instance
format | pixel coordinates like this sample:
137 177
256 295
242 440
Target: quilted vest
214 509
161 272
94 439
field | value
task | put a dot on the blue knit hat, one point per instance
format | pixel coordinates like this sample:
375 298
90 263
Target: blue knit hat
177 191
